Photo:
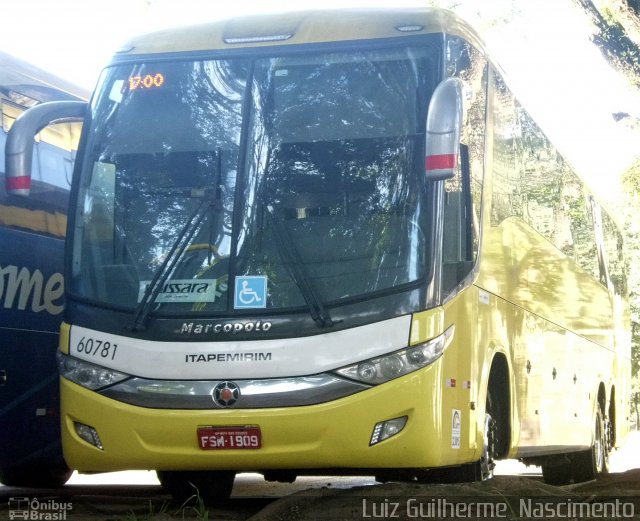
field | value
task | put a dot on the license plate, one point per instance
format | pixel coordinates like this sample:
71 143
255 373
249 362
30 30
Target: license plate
218 438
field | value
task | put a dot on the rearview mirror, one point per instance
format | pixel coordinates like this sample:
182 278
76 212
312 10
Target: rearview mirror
444 124
19 145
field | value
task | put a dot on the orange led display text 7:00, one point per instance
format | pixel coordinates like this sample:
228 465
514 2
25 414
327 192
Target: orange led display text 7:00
148 81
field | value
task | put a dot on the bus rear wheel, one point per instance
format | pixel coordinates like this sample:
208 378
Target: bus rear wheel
594 462
557 470
190 486
582 466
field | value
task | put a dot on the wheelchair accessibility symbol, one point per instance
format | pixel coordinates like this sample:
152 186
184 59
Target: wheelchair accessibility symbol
251 292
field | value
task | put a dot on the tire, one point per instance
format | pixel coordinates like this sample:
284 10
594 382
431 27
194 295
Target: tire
487 460
495 442
557 471
593 463
466 473
35 476
480 470
212 487
498 410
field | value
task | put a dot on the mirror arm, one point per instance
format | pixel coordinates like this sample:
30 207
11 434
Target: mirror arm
19 145
444 126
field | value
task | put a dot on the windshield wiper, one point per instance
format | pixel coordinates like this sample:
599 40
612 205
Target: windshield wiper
161 275
295 265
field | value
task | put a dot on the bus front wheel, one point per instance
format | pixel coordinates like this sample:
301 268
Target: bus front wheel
192 486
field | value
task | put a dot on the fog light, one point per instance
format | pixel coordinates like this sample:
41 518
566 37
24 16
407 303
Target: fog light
88 434
386 429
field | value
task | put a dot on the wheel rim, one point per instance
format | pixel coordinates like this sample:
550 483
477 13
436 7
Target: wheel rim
486 461
598 447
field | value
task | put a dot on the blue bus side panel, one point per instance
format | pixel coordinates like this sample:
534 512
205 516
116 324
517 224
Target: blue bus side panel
31 302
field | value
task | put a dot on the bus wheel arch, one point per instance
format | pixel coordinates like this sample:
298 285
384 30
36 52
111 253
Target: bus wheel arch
496 424
498 405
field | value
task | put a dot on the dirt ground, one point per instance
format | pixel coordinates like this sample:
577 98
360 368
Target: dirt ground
504 497
616 496
510 496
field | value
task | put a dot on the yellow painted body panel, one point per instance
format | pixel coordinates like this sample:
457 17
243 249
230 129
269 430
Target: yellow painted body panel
564 335
330 435
65 330
303 27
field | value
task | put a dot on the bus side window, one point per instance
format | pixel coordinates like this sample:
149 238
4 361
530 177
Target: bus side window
614 251
556 206
507 194
463 193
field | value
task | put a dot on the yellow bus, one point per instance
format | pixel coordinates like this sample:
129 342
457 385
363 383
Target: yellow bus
333 242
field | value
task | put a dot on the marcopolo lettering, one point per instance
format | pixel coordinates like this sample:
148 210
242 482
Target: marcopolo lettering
191 328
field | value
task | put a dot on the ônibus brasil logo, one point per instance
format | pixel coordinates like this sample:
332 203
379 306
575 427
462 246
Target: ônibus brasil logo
38 509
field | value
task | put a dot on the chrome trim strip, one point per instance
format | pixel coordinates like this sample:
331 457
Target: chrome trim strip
258 39
254 394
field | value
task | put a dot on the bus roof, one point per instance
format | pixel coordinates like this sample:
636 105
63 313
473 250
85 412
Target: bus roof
34 84
300 27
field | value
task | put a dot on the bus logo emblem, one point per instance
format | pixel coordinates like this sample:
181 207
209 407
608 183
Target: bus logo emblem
225 394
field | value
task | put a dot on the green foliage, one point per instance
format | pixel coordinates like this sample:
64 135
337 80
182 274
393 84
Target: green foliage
614 42
196 505
148 516
193 508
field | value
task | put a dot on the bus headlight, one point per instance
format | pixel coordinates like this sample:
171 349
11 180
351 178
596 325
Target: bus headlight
399 363
87 374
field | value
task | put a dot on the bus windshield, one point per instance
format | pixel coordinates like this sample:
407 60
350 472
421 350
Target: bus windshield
293 179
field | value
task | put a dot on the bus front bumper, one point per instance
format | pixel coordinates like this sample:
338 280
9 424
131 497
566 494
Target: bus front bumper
331 435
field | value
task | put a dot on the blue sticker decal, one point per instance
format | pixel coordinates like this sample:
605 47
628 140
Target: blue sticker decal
251 292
